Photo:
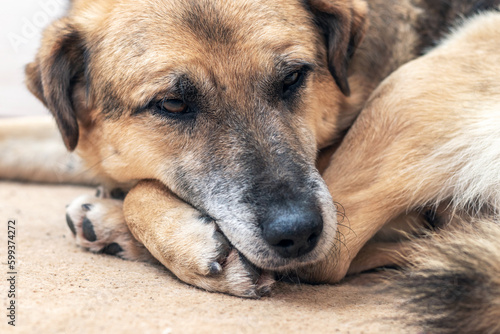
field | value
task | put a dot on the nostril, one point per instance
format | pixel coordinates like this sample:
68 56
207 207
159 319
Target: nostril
313 238
284 243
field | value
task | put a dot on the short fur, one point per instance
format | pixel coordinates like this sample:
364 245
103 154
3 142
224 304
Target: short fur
410 135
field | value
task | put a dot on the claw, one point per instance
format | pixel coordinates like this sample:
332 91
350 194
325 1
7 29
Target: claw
215 268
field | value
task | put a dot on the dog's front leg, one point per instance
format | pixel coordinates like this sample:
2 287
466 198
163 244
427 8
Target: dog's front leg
189 244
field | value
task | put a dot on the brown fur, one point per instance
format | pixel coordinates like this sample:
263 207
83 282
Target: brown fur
152 226
116 89
104 69
396 170
451 291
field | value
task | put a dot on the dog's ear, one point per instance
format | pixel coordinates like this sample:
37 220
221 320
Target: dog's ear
343 23
54 73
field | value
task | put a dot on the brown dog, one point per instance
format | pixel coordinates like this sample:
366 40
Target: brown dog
226 104
229 104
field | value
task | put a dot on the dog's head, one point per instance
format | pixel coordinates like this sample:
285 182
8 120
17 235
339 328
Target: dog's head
226 102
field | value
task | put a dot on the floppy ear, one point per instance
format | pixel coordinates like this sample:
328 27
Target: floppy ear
343 22
54 73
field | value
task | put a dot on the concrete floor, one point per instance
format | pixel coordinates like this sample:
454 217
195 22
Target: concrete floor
21 23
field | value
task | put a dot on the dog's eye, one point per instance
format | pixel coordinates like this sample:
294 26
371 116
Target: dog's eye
172 106
291 81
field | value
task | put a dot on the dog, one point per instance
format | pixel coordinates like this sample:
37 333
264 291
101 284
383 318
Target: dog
212 113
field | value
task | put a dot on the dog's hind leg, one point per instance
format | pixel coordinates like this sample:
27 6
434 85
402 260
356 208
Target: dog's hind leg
429 133
190 244
32 150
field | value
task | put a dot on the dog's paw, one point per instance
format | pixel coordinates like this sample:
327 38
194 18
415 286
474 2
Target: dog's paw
190 244
238 277
98 224
214 265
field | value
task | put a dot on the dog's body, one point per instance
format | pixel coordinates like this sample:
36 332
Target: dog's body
226 103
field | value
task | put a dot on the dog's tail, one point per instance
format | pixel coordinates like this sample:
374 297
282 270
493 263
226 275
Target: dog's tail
31 149
453 284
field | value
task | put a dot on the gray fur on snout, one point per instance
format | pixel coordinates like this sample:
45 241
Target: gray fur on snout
229 176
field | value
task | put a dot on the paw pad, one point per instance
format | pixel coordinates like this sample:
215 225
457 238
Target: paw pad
70 223
112 249
88 230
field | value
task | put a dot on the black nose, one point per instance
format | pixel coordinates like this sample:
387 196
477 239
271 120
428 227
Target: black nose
292 232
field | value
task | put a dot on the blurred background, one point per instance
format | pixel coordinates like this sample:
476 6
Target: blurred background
21 24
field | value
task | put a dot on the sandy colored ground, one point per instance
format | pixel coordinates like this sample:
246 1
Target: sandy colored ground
64 289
